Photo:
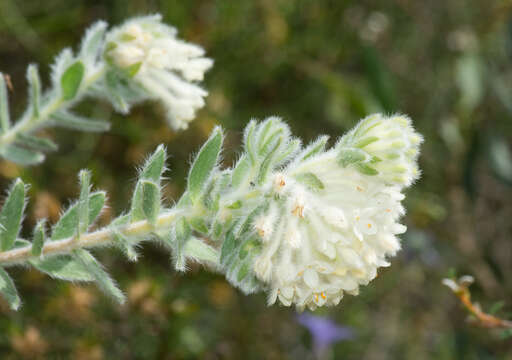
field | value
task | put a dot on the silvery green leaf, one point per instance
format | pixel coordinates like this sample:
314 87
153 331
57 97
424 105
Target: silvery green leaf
228 247
152 172
310 180
39 237
104 281
5 119
63 267
93 41
154 166
347 156
35 143
121 240
203 165
249 140
366 169
312 149
269 161
199 225
67 225
34 83
11 215
114 92
71 79
150 200
8 290
83 202
241 171
22 156
198 250
180 236
244 270
71 121
291 149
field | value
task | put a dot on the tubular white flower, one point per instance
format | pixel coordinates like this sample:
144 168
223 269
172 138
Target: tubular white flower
337 221
163 65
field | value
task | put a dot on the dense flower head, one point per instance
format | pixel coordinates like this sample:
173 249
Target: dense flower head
329 219
164 66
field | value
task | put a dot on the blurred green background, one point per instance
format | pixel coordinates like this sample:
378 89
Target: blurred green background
321 65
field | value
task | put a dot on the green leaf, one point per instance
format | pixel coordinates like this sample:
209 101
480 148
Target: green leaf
104 281
71 80
349 156
228 247
8 290
93 41
39 238
34 83
113 81
310 180
366 169
133 69
35 143
241 171
268 162
21 155
244 270
366 141
121 240
71 121
312 149
181 236
11 215
63 267
84 178
204 164
150 172
5 119
200 251
154 166
66 226
150 200
249 140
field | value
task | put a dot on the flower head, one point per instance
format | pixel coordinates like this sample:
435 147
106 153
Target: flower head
332 217
163 65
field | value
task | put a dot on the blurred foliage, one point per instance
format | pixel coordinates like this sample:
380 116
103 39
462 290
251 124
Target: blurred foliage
321 65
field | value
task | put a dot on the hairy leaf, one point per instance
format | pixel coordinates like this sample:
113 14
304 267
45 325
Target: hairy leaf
34 83
8 290
35 143
67 225
11 215
203 165
39 238
71 80
5 119
104 281
21 155
71 121
63 267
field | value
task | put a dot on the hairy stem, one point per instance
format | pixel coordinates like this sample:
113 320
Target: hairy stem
101 237
29 123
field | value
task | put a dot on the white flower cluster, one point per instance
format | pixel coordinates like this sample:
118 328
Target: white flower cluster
334 217
165 66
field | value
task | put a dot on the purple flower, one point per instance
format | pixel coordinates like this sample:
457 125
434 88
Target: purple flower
324 331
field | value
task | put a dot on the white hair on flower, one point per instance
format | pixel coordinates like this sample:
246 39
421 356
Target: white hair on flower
165 66
338 214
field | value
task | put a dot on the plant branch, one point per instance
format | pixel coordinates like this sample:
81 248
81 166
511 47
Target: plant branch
29 123
101 237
